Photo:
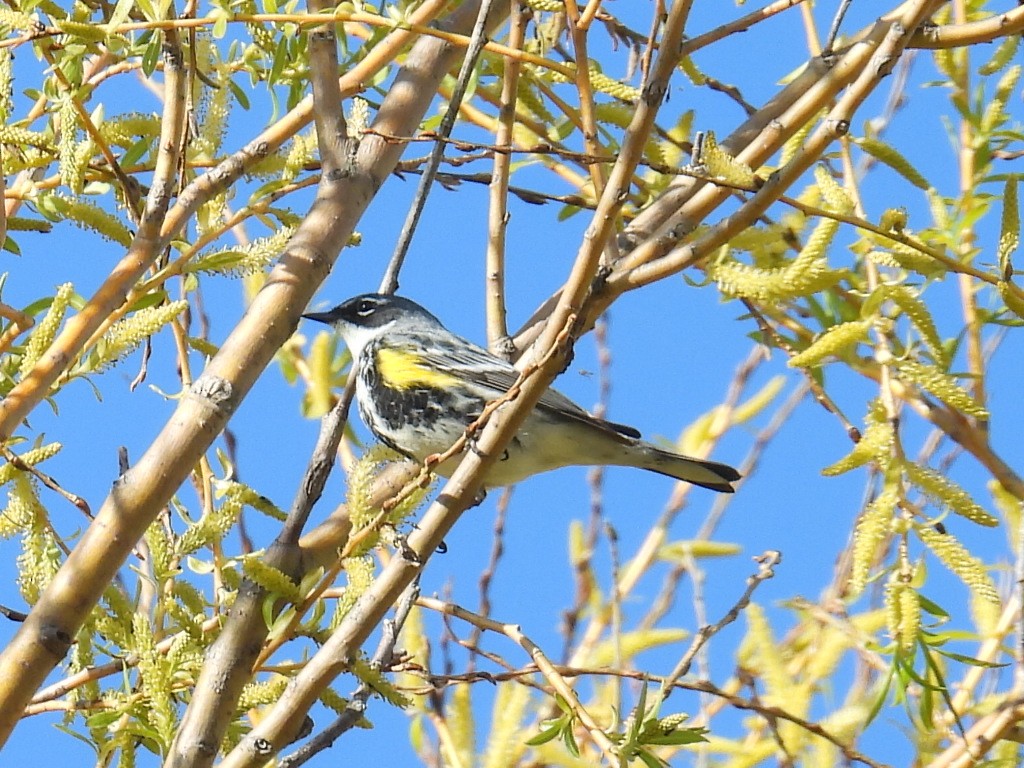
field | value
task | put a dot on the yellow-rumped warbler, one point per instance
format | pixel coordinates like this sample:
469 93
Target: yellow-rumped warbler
419 386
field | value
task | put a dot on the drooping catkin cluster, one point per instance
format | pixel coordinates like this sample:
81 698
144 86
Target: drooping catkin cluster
126 129
6 85
832 343
30 457
362 491
807 274
903 613
550 6
126 335
85 215
885 153
212 527
40 556
1009 241
156 679
46 331
301 152
74 155
873 528
721 165
601 83
955 556
909 303
359 572
242 260
875 443
941 385
947 494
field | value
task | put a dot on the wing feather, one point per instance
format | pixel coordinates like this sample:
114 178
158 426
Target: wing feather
496 377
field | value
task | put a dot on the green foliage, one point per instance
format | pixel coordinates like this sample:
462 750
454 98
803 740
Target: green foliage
645 730
911 314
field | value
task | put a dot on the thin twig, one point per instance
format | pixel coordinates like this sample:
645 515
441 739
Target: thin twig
766 565
382 659
497 212
389 283
546 668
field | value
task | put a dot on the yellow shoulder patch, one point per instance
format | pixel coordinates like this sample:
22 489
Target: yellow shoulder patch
403 369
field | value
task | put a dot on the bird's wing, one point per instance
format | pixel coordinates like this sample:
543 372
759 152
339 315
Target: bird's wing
498 376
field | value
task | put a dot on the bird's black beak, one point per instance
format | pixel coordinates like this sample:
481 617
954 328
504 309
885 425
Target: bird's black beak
327 318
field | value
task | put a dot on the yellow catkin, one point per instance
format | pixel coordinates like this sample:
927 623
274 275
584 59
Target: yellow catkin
803 276
359 571
872 529
20 137
550 6
126 335
942 385
271 579
1013 301
721 165
6 85
1003 55
894 219
955 556
16 20
89 33
504 742
372 676
875 444
833 342
903 614
461 724
262 692
243 260
835 197
995 110
88 215
917 312
900 256
334 701
887 154
1009 230
124 130
948 494
46 331
601 83
31 458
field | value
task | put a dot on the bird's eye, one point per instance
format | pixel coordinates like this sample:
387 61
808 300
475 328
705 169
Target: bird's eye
365 308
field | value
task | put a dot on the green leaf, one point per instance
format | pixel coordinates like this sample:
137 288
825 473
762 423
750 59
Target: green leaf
120 15
546 735
151 55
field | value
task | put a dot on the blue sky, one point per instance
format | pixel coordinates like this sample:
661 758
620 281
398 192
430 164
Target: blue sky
674 350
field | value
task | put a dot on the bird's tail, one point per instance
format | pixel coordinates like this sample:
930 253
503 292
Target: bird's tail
706 474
